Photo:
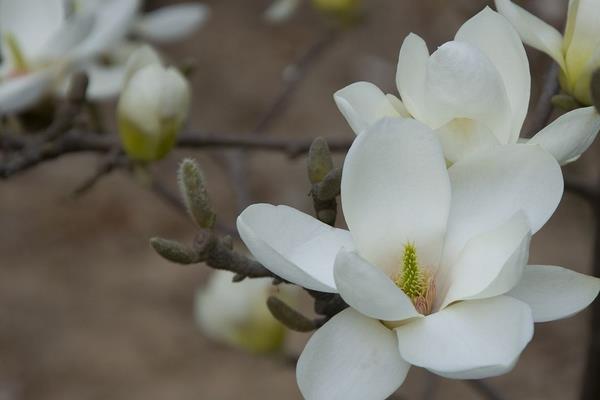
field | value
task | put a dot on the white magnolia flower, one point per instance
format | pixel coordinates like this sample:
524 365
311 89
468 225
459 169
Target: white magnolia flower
433 265
237 314
577 53
473 91
153 106
43 40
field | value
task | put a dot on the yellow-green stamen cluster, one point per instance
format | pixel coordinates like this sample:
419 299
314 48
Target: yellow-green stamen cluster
18 58
411 280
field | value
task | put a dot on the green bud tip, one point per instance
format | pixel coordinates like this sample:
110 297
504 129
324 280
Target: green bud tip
319 160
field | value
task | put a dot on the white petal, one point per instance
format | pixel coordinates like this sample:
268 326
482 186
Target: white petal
569 135
555 292
173 22
411 74
469 340
19 93
494 35
367 289
491 186
395 190
73 31
32 22
350 357
363 104
281 10
113 19
462 137
293 245
585 37
491 264
462 82
105 82
533 30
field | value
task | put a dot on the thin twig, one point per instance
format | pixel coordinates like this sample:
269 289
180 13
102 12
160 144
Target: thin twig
33 154
543 110
485 390
294 75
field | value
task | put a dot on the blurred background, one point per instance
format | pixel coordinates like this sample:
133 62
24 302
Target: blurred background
89 311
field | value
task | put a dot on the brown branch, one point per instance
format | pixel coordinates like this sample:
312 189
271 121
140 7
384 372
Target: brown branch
543 110
33 153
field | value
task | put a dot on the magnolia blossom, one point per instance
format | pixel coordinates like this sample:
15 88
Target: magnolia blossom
43 40
237 314
577 53
473 91
433 265
153 106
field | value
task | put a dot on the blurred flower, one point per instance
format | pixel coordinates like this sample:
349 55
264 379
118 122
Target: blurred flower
44 40
410 266
577 53
344 10
281 10
152 108
473 91
237 314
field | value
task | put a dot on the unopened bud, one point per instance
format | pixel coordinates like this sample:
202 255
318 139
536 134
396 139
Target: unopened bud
194 193
140 58
319 160
174 251
151 111
288 316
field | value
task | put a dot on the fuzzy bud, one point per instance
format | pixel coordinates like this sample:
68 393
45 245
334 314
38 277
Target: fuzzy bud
194 193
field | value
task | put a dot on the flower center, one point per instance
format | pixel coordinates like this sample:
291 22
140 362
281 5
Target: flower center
415 281
17 56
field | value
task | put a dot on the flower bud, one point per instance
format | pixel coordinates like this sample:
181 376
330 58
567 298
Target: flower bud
194 193
319 160
237 314
151 111
140 58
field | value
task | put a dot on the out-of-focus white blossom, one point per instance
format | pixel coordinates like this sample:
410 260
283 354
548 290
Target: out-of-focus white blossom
237 314
43 41
577 52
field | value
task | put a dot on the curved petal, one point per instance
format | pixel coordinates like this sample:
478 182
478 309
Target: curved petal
31 22
462 82
172 22
17 94
462 137
113 19
293 245
584 37
570 134
555 292
533 30
395 190
411 74
350 357
493 34
363 104
105 82
491 264
367 289
73 31
280 11
471 339
491 186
